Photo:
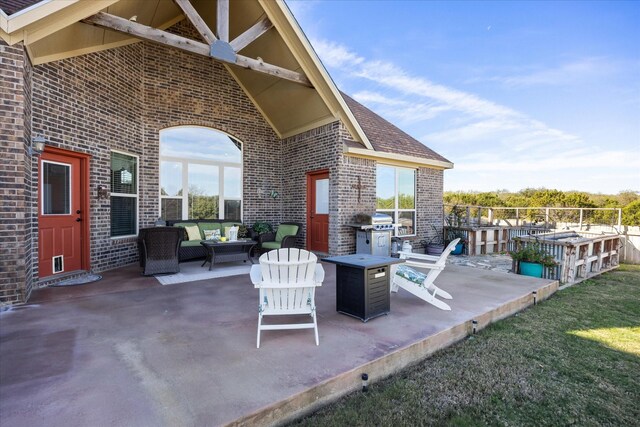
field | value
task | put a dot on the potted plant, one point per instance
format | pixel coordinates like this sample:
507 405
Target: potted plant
258 228
243 231
453 234
435 245
532 259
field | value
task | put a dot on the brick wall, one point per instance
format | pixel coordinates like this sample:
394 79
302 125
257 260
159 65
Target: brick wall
185 89
121 99
321 148
91 104
429 211
310 151
350 202
31 184
13 166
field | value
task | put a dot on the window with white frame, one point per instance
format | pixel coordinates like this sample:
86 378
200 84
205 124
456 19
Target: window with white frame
200 174
124 194
396 197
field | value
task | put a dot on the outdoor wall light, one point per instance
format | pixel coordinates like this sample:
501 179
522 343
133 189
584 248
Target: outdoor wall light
103 192
37 145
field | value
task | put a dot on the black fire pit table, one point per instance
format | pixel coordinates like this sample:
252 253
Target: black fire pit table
363 284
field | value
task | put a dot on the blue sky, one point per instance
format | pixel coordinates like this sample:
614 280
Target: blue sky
516 94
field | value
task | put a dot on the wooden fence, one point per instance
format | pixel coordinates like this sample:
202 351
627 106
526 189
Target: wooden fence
579 257
490 240
491 221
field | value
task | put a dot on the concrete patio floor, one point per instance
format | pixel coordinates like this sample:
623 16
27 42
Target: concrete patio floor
128 351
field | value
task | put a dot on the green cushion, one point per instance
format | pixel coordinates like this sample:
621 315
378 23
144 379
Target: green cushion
285 230
411 275
207 226
190 243
229 224
271 245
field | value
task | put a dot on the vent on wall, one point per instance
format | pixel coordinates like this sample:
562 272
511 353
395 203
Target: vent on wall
58 264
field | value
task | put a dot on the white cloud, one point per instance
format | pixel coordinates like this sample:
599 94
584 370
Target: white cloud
569 73
389 75
336 55
377 98
404 110
492 145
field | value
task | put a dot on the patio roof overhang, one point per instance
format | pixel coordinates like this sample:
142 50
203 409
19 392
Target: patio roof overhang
395 159
259 42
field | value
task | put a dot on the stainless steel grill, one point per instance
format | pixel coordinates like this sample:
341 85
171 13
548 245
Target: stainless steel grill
373 233
376 221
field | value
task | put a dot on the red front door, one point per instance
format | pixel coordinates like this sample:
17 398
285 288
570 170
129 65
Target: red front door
318 211
60 214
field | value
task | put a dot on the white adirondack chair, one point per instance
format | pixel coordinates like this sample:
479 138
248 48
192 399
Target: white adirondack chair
287 280
422 284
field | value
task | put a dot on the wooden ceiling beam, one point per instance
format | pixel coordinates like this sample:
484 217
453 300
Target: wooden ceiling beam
197 21
256 30
273 70
143 32
223 20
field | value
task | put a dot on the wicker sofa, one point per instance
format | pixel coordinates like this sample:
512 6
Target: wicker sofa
192 249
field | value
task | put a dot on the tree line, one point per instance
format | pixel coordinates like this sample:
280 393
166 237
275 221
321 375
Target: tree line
628 200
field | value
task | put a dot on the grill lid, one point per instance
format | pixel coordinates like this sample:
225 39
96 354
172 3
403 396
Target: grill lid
373 219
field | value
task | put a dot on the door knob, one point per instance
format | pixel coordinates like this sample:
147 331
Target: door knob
78 211
78 219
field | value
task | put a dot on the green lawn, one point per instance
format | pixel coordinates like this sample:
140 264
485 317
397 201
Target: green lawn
572 360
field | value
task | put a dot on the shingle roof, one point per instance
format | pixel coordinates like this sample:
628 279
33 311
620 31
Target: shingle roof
386 137
12 6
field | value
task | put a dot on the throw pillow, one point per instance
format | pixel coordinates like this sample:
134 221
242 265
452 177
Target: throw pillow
211 234
226 225
193 232
204 226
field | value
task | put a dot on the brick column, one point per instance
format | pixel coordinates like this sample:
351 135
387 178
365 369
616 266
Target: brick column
428 204
15 172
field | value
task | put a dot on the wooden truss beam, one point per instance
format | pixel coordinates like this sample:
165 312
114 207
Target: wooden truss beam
258 29
143 32
223 20
197 21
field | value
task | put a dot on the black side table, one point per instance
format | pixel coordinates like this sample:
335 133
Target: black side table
363 284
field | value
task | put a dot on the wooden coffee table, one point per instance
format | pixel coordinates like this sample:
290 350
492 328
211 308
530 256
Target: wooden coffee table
237 250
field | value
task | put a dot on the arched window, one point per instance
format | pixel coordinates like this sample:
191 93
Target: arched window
200 174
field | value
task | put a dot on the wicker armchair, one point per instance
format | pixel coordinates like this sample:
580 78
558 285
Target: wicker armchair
158 247
283 237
